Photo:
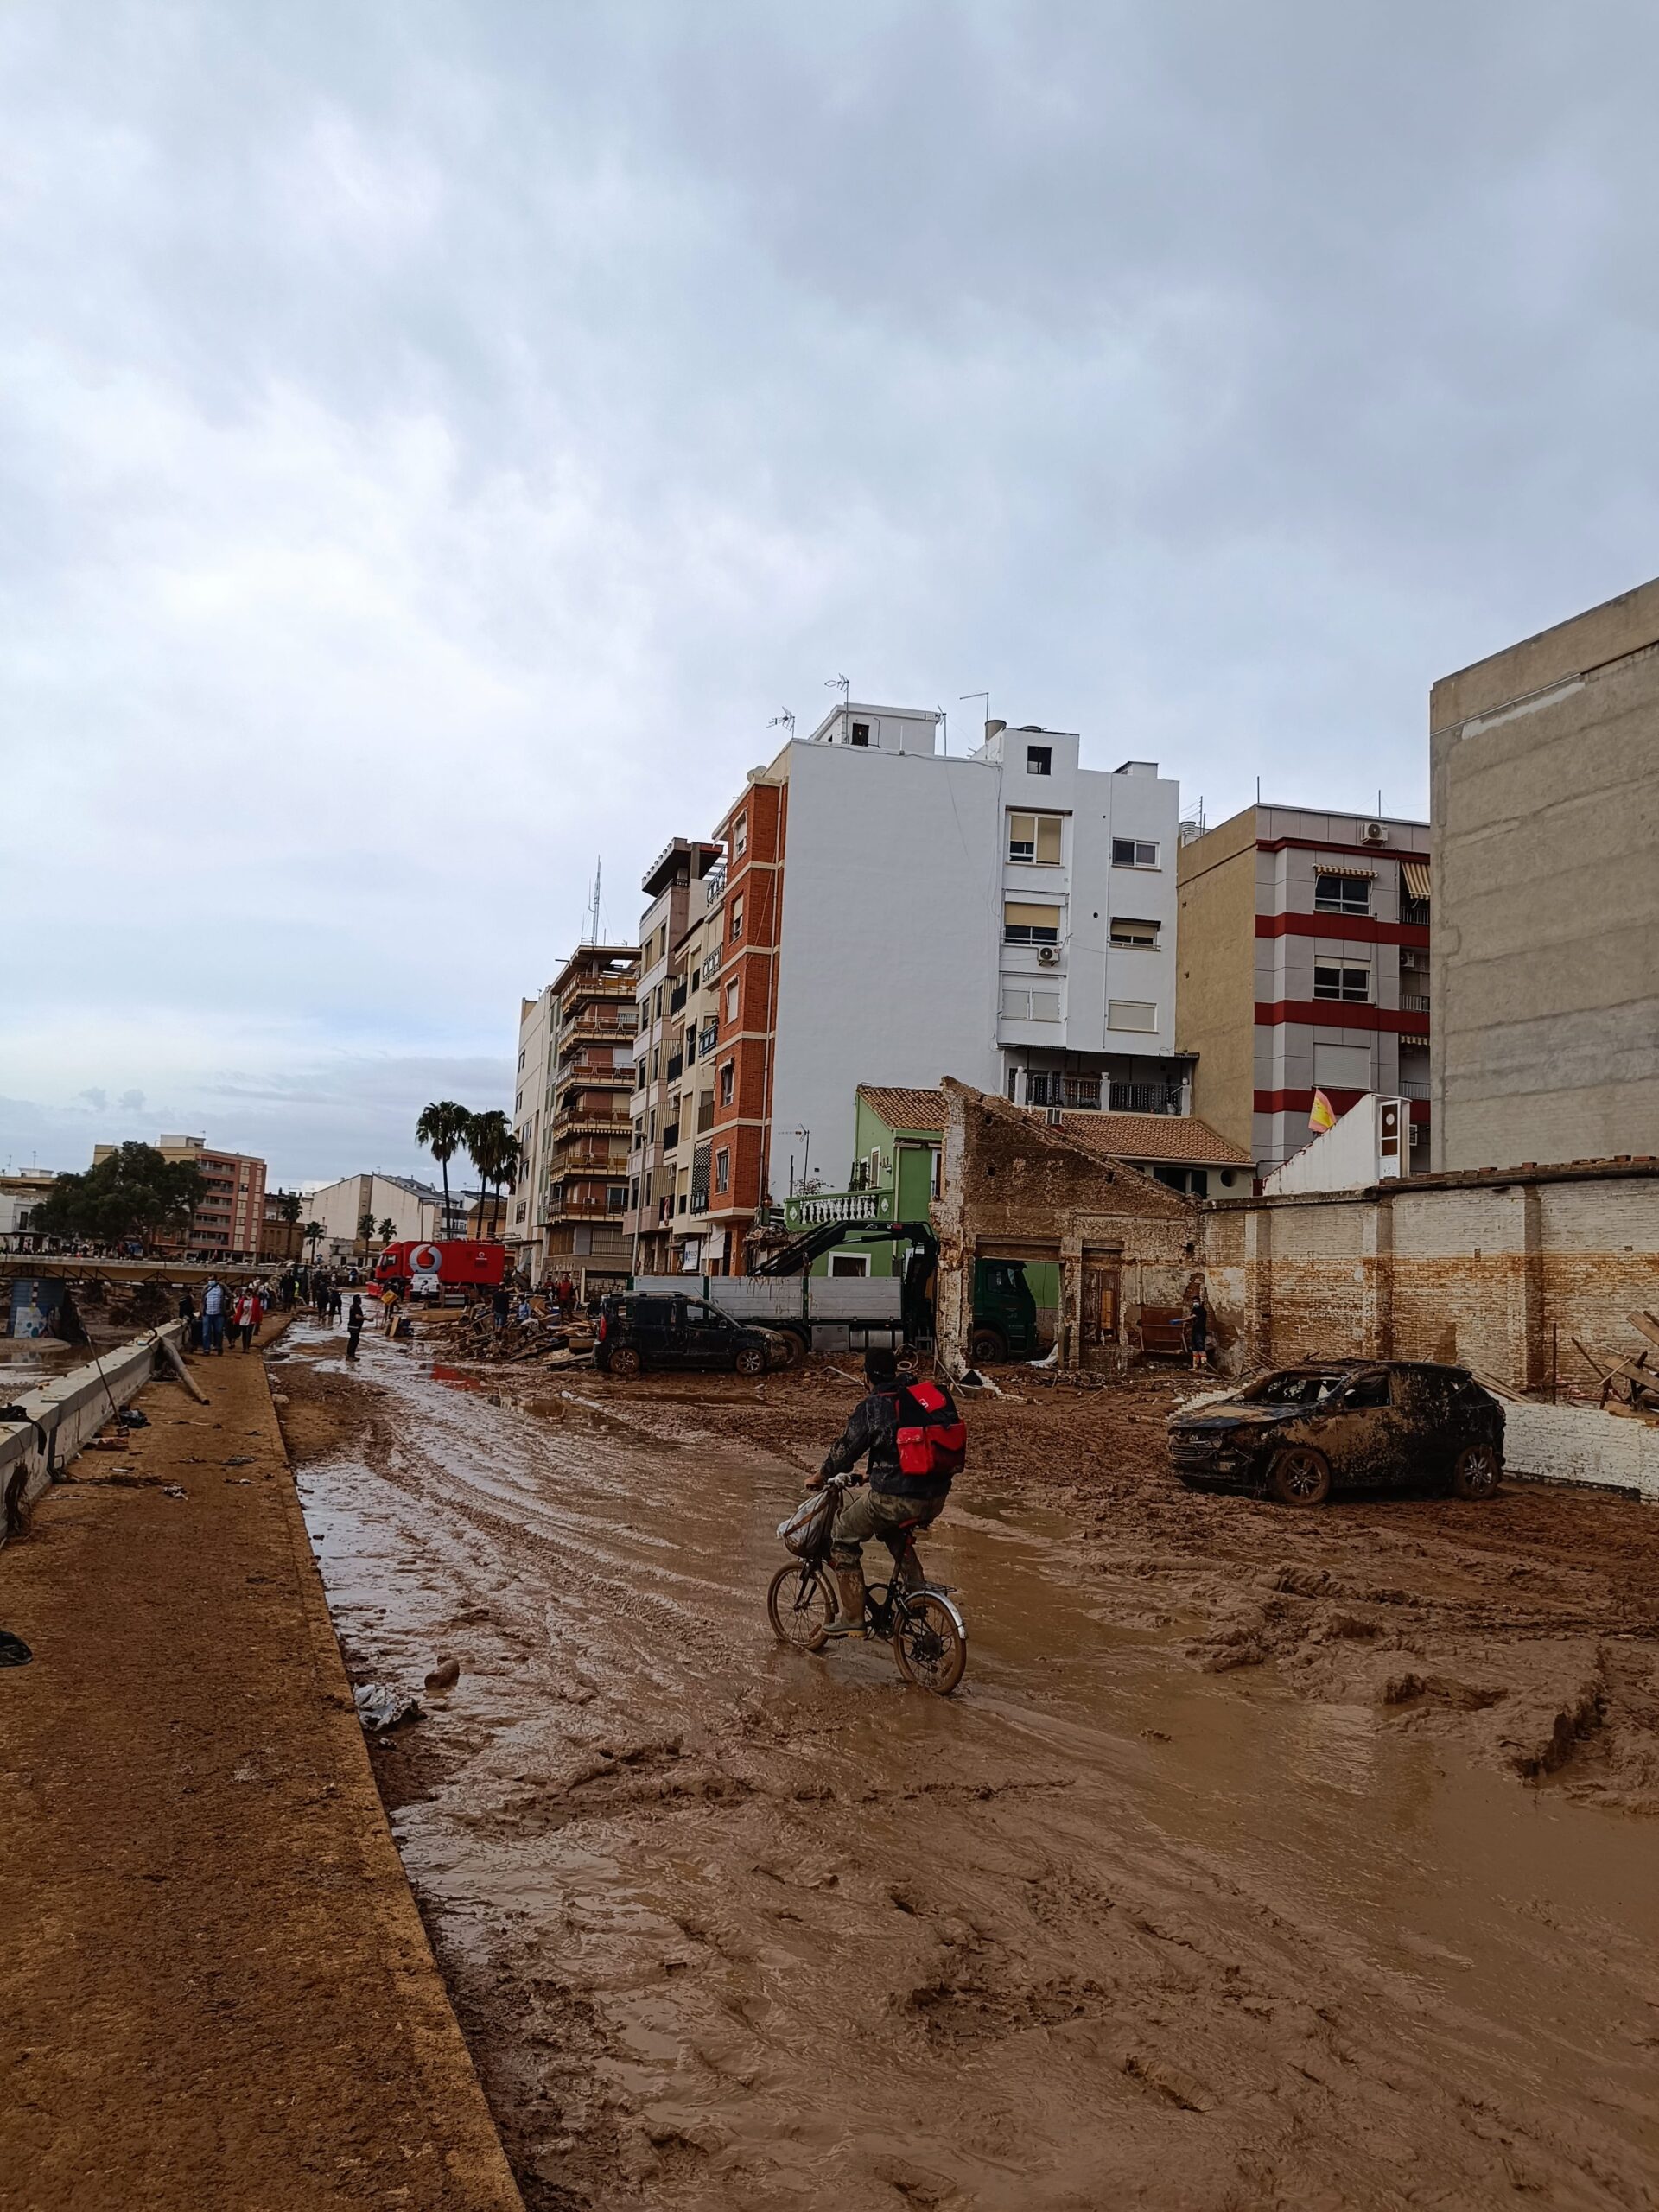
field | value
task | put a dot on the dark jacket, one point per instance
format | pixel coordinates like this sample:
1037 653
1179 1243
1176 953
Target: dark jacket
873 1428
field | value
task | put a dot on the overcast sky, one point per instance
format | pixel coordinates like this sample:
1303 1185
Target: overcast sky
436 439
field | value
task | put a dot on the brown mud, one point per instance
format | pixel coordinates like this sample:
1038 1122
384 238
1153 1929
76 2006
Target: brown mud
1264 1860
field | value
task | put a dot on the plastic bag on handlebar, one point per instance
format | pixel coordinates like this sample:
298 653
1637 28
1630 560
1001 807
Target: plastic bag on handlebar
807 1530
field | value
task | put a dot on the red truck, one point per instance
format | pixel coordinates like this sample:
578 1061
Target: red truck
463 1263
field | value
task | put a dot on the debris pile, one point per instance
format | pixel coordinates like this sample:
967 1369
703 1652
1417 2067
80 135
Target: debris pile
541 1337
1630 1387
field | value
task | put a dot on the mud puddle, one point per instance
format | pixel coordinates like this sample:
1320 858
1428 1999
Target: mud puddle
729 1927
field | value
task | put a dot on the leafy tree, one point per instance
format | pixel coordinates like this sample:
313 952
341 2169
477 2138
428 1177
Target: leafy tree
442 1128
495 1153
132 1193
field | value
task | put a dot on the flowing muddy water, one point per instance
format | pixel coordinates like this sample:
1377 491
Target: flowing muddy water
730 1926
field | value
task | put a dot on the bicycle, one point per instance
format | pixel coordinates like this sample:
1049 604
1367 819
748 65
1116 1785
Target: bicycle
917 1617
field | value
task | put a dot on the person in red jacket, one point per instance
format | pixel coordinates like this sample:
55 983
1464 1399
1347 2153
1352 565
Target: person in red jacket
249 1312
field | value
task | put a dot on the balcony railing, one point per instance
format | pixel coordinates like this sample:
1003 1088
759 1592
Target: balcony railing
819 1207
1414 1001
1415 910
707 1036
676 998
710 966
714 885
1145 1097
1412 1086
675 1067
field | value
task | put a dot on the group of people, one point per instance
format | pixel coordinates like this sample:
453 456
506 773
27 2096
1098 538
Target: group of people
224 1312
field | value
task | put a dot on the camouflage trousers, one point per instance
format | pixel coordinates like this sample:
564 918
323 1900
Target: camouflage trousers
864 1513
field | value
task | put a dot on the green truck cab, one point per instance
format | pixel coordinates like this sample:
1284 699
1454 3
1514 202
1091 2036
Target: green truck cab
1005 1313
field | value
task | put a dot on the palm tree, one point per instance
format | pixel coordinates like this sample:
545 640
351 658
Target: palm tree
315 1233
388 1229
443 1128
289 1205
365 1228
495 1154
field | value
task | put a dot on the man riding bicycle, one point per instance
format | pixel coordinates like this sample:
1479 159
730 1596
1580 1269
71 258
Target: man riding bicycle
895 1502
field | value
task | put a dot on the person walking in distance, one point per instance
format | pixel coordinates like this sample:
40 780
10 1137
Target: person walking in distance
213 1316
354 1327
249 1313
1198 1329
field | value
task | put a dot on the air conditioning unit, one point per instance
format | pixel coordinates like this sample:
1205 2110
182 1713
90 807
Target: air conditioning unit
1049 954
1375 832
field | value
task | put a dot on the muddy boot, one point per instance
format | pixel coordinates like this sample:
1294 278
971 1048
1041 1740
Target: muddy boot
850 1582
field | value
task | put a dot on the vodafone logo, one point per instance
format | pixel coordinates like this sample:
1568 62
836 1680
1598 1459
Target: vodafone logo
425 1259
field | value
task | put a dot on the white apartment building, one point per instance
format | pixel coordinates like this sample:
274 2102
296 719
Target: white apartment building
892 914
415 1209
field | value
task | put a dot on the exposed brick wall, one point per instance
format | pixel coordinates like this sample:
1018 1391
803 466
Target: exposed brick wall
1499 1277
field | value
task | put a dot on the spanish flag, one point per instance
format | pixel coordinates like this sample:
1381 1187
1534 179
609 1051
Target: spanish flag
1322 1114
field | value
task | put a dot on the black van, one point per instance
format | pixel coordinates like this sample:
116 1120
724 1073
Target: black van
637 1331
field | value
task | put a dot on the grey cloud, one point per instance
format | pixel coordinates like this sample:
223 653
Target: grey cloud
97 1099
437 442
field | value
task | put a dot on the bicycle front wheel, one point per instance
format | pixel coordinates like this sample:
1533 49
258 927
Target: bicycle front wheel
929 1644
800 1605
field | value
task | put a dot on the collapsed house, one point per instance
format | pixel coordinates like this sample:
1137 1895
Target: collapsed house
1529 1275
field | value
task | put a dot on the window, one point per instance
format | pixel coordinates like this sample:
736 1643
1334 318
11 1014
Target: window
722 1170
1037 1088
1028 925
1022 1005
521 1059
1342 894
861 733
1035 839
728 1083
850 1263
737 925
616 1199
1039 759
1130 936
1342 1067
1133 852
731 1001
740 836
1335 979
1130 1013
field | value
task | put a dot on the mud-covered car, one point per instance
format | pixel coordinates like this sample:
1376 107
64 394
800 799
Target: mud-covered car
637 1331
1301 1433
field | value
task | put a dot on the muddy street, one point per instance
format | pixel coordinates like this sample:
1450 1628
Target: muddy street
730 1926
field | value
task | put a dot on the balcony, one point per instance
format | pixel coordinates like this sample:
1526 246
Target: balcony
1414 1001
591 1209
711 966
1145 1097
707 1037
676 998
675 1069
1413 1086
1415 910
714 885
867 1207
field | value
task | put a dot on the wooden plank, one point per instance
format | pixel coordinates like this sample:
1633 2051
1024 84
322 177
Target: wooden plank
1647 1325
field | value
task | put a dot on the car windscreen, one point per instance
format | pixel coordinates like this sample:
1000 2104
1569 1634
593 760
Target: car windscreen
1293 1389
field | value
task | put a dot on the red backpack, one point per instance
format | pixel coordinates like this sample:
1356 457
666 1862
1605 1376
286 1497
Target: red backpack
932 1440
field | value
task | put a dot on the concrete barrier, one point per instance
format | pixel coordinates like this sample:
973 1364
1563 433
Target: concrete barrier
62 1414
1580 1444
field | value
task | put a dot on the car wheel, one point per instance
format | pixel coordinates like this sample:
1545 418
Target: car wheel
1300 1476
1476 1472
623 1361
798 1347
986 1349
751 1361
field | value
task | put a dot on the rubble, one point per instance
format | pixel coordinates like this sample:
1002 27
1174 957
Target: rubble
1630 1387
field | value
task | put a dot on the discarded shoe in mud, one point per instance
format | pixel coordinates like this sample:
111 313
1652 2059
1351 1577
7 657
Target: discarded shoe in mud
13 1652
444 1676
380 1708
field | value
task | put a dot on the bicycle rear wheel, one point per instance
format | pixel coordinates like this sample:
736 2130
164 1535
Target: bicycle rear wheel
800 1605
928 1645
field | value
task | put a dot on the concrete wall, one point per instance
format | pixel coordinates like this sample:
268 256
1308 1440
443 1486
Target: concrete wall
1545 961
1500 1276
1215 990
63 1415
891 925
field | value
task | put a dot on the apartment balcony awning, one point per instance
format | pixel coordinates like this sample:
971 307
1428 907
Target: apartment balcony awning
1414 875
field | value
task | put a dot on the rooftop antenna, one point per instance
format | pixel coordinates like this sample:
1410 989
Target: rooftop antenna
786 719
841 683
593 931
945 728
986 697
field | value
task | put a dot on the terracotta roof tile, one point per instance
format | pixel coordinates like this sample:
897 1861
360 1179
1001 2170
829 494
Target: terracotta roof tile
906 1110
1181 1138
